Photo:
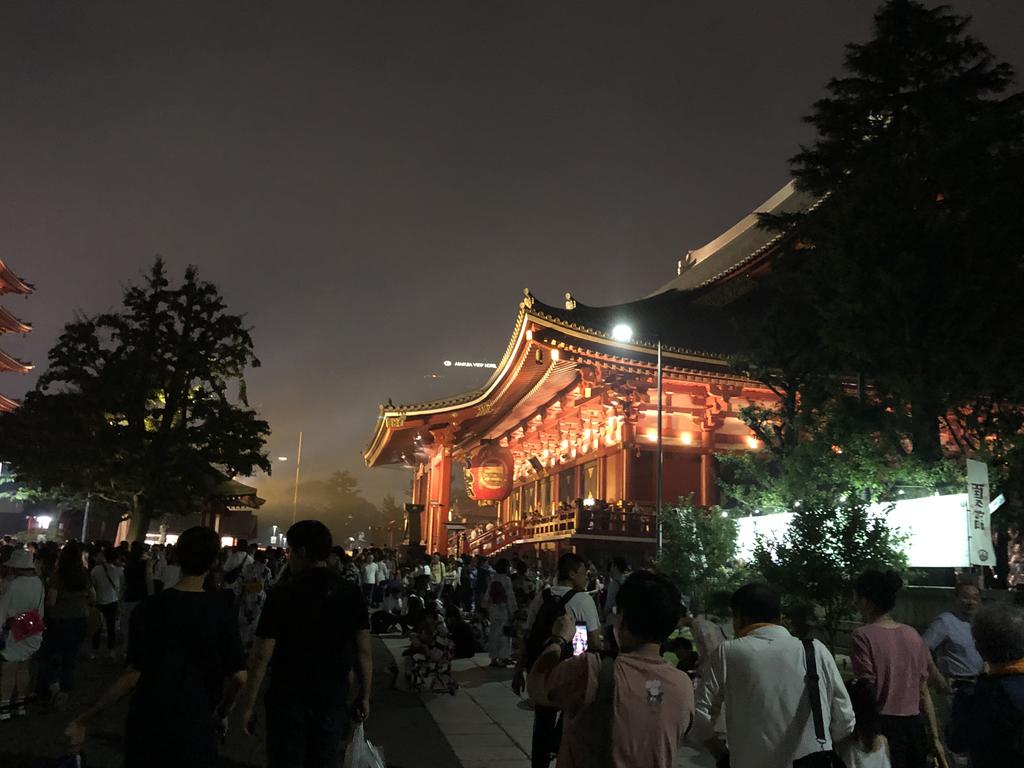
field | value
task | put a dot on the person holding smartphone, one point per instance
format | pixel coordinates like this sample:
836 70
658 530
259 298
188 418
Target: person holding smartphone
568 597
631 710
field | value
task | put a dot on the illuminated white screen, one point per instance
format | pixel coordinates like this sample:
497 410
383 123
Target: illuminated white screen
936 527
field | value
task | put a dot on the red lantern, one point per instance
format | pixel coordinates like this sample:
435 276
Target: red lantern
491 472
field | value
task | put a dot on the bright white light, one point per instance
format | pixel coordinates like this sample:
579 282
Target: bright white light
44 521
622 332
227 541
936 528
282 458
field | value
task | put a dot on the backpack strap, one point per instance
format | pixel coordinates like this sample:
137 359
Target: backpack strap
604 707
814 692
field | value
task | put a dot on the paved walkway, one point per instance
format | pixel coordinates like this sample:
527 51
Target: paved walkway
486 724
399 723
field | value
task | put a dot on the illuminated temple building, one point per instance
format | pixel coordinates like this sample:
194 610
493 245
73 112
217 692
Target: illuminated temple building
11 283
576 411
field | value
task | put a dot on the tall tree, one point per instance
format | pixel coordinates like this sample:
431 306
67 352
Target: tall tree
143 406
905 279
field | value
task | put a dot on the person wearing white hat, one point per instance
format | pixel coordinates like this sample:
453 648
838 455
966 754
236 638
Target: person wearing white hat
21 612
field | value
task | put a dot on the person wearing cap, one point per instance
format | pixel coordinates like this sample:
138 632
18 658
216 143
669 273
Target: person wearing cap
23 601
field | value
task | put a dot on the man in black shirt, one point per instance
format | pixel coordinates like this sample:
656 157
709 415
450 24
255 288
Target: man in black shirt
185 667
313 630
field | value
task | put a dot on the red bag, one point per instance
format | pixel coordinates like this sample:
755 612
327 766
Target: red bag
26 625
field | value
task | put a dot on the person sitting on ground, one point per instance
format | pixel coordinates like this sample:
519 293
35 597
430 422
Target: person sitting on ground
625 712
866 747
185 668
461 632
987 721
760 679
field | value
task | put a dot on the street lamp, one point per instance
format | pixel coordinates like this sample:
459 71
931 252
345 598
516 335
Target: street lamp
624 333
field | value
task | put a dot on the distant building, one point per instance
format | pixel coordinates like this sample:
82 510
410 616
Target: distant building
11 283
576 407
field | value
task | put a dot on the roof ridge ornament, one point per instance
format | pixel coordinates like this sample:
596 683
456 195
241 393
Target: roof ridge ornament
528 300
570 302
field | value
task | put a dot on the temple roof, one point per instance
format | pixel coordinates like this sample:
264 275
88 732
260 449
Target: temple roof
741 244
11 283
8 363
674 317
699 317
10 324
7 405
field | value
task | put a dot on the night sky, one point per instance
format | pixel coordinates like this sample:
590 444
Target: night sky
373 183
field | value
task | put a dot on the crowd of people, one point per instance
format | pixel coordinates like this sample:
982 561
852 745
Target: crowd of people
618 666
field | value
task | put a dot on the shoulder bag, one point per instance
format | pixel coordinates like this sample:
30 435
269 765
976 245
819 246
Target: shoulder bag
28 623
825 758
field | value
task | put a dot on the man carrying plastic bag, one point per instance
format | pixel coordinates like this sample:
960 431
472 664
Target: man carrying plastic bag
361 753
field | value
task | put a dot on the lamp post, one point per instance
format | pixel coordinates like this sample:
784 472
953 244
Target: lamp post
624 333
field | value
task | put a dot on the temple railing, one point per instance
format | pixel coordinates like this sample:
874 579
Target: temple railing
597 521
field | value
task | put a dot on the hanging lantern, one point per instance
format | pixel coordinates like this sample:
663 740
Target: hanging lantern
491 471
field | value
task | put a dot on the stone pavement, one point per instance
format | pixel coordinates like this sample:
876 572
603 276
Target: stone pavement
485 723
399 723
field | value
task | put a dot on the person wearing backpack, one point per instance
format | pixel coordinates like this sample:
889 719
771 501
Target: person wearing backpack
567 598
623 712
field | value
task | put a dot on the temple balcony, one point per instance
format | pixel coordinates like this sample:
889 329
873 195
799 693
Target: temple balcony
594 523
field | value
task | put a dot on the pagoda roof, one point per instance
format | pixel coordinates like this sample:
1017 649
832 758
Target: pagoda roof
7 404
11 283
739 246
8 363
10 324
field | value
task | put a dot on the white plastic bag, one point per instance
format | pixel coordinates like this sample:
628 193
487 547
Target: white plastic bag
361 753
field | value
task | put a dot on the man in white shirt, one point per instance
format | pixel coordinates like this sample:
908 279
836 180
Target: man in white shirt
108 581
370 569
759 677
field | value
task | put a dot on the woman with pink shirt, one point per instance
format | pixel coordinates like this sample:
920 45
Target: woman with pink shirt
893 658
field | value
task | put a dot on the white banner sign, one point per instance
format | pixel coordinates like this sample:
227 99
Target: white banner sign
979 532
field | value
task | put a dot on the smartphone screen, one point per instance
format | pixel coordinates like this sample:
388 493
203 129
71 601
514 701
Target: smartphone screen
579 640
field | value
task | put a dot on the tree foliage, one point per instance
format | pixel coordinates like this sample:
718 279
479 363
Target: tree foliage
901 285
144 405
699 551
814 563
339 503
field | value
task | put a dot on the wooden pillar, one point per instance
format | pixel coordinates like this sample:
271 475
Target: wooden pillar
439 502
708 481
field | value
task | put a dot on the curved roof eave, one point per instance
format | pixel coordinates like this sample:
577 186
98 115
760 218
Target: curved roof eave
740 244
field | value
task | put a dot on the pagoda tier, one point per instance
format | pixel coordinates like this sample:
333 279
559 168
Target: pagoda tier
11 283
10 324
8 363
